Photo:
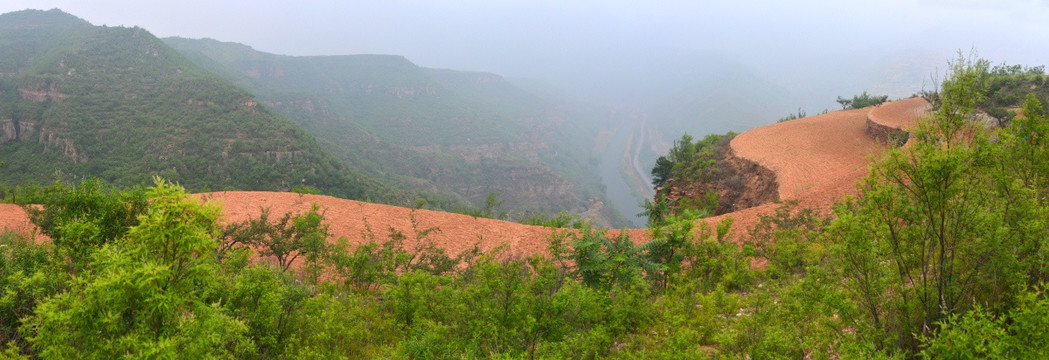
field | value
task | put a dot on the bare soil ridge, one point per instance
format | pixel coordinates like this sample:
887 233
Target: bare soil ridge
352 219
14 218
893 121
818 159
811 153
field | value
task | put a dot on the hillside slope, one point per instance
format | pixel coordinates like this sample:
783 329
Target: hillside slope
817 160
468 134
352 219
811 153
78 100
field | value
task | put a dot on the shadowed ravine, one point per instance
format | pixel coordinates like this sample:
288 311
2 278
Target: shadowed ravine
616 188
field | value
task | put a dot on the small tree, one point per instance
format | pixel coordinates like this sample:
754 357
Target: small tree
600 261
861 101
845 103
939 231
287 239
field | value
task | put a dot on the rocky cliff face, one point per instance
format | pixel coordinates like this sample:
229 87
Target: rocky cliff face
38 90
885 134
743 184
15 130
50 138
738 184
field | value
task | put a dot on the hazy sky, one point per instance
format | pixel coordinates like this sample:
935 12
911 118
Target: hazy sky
788 40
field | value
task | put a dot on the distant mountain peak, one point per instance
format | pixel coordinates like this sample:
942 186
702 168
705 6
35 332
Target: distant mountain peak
32 18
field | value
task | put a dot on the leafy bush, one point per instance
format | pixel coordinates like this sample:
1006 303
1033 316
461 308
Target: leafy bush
559 221
861 101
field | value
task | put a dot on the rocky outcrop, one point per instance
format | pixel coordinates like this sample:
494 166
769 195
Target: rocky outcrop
273 156
53 141
743 183
50 138
886 134
16 130
304 104
890 123
248 104
278 156
737 182
402 91
39 90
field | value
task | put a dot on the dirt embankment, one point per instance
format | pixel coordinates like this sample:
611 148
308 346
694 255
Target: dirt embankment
817 160
738 183
360 222
743 183
353 219
14 218
891 123
810 154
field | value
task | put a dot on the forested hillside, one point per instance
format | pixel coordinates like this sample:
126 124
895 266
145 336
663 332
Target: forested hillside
78 101
463 133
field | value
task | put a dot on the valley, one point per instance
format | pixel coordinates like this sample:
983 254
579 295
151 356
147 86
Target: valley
617 187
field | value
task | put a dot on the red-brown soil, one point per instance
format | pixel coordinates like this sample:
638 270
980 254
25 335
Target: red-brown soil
811 153
816 160
346 218
14 218
891 123
901 114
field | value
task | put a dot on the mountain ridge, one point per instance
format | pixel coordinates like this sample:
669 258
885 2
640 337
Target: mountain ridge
117 103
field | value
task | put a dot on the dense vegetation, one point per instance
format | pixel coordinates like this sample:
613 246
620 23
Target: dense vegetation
79 101
1008 87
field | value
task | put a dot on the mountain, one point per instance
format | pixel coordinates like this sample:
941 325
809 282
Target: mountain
78 100
469 134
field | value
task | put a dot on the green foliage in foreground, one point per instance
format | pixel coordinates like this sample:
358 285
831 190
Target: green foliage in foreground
943 257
